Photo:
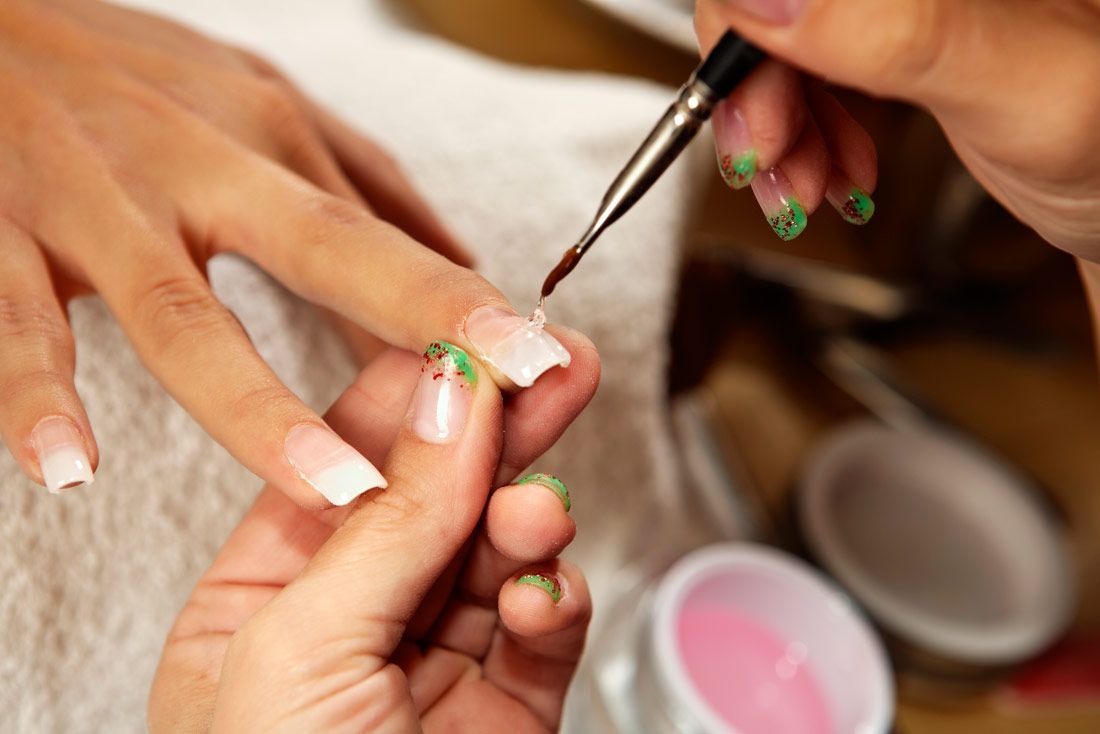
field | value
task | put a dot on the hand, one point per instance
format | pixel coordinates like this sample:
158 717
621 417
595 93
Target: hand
400 609
1012 82
131 152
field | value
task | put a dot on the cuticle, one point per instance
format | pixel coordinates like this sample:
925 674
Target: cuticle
547 583
447 361
552 483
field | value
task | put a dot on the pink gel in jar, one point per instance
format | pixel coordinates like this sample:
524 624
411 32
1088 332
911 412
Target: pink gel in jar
755 680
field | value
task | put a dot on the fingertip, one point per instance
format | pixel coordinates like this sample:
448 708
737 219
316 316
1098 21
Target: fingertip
528 523
62 453
544 600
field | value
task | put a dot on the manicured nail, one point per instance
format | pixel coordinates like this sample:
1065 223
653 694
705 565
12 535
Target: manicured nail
781 12
853 203
736 156
444 393
784 211
514 345
549 584
329 464
552 483
59 448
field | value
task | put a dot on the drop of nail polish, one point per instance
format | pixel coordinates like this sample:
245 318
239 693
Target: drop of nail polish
537 318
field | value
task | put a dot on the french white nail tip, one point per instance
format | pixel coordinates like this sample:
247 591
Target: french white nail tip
515 346
329 465
59 448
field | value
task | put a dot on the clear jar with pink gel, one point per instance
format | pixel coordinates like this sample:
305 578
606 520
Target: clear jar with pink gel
734 638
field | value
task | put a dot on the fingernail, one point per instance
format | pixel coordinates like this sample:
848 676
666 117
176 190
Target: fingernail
736 156
329 464
853 203
512 344
552 483
444 393
782 12
784 211
62 458
549 584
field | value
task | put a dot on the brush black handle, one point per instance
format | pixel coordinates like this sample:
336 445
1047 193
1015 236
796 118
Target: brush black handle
728 64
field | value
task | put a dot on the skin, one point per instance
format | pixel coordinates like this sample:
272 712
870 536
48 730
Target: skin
92 200
399 613
1012 82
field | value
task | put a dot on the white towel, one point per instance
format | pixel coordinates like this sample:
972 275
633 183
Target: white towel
515 160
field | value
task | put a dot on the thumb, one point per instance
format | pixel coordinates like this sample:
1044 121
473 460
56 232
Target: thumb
377 567
930 52
321 647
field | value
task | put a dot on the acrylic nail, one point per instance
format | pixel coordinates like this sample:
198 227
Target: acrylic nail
853 203
549 584
444 393
552 483
780 12
784 211
516 346
329 464
736 156
61 455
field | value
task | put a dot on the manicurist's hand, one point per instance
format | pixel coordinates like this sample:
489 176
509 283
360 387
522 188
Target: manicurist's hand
131 152
1012 82
402 612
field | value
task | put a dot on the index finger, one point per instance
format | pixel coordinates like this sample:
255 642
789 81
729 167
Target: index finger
336 254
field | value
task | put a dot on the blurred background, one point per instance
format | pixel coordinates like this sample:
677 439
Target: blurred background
943 309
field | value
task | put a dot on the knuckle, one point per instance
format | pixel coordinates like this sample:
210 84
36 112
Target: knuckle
261 402
174 308
260 66
279 108
332 218
22 319
915 47
39 387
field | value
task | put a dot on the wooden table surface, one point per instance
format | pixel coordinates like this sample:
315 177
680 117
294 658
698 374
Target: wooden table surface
1039 408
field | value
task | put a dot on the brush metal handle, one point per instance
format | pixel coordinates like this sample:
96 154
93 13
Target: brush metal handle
732 59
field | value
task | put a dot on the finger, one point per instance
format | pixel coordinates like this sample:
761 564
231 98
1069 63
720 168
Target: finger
198 350
270 548
544 612
790 192
369 415
381 182
335 254
524 523
377 567
931 52
535 418
374 174
758 123
41 417
362 587
855 165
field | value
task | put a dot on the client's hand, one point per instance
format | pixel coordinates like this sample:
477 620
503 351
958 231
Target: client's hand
133 150
400 613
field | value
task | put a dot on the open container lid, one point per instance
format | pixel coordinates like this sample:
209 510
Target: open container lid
948 549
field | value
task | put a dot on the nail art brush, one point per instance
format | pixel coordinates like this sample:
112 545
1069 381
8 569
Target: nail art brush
732 59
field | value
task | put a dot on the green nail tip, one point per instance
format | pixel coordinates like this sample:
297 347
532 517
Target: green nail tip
790 222
859 208
444 360
738 172
552 483
549 584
